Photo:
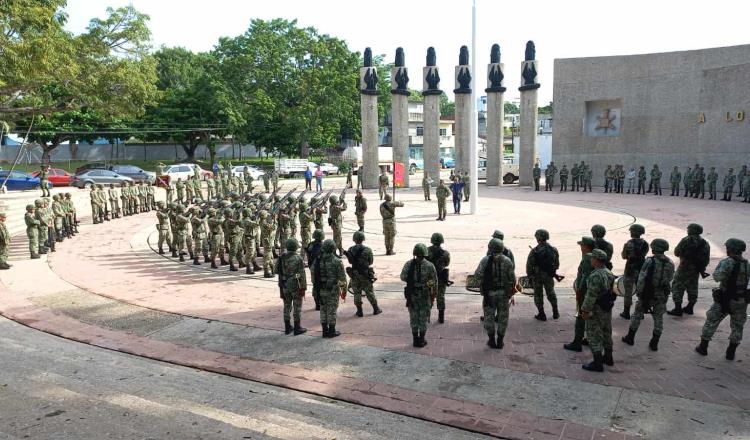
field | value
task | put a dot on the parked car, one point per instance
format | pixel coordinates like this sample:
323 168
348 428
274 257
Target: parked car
57 176
91 166
448 162
239 171
482 169
104 177
329 168
18 180
183 171
136 173
415 164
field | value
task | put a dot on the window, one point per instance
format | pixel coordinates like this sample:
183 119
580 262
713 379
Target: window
443 132
183 169
96 173
420 131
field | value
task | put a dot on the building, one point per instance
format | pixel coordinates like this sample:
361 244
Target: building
675 108
416 132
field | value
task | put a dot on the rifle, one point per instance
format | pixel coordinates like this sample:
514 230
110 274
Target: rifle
342 196
320 201
280 203
557 277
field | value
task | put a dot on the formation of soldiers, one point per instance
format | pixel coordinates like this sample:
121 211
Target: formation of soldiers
48 223
694 182
131 199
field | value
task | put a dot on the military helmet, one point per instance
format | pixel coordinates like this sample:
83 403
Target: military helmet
598 231
160 203
637 229
328 246
303 205
55 197
358 237
211 211
292 244
420 250
237 205
735 246
541 234
228 211
226 203
387 197
247 212
263 197
333 199
498 234
263 214
437 238
68 195
318 234
38 202
30 207
496 245
694 229
599 254
587 241
659 245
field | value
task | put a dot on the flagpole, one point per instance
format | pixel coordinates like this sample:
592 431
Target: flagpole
473 205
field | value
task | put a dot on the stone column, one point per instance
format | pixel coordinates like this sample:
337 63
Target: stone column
431 92
400 113
464 106
495 118
528 129
368 85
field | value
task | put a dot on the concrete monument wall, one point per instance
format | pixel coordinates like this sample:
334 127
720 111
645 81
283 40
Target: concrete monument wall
675 108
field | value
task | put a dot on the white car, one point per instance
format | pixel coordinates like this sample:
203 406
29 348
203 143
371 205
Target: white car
239 171
184 171
326 167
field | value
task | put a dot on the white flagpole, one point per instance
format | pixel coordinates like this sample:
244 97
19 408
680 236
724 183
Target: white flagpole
473 205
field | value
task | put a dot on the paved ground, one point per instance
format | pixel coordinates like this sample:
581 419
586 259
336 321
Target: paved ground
111 280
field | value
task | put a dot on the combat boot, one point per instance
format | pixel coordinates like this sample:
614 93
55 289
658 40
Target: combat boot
249 269
359 311
555 312
206 258
161 251
677 311
332 333
298 329
702 348
232 267
256 266
608 360
182 256
731 349
441 316
192 255
500 344
422 341
541 315
595 365
240 262
174 253
196 262
491 340
267 274
653 344
376 310
287 327
35 256
689 308
317 303
625 313
223 260
574 346
213 265
415 337
629 338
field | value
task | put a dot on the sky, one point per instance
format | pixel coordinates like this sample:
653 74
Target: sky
559 28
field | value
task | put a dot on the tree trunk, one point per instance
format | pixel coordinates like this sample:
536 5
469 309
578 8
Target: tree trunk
47 152
73 151
190 151
304 151
212 154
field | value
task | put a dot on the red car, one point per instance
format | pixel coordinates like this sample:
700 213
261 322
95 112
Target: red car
57 176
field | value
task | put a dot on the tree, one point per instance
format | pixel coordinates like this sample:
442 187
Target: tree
447 107
545 110
510 109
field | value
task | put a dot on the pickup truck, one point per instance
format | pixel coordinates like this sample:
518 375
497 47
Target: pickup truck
290 167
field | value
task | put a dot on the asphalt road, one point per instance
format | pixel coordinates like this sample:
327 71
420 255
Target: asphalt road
52 388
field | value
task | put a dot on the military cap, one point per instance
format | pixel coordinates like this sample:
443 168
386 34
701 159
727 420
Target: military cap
318 234
735 245
358 237
420 250
437 238
637 229
587 241
599 255
659 245
498 234
496 245
541 234
598 231
328 246
694 229
292 244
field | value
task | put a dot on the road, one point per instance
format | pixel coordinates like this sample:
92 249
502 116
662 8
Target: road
55 388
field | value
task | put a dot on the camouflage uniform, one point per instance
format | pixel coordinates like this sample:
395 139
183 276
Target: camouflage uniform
537 174
642 180
587 176
687 181
249 238
330 276
426 182
189 190
236 234
4 243
198 189
388 212
579 287
656 179
305 221
729 180
180 187
292 286
44 180
382 185
598 320
313 251
741 180
320 213
564 178
275 180
442 192
266 181
498 281
466 180
335 219
441 259
183 238
711 179
542 277
267 233
574 175
32 232
694 254
216 231
200 238
609 175
674 181
210 188
114 200
163 228
361 275
96 208
421 280
360 208
634 253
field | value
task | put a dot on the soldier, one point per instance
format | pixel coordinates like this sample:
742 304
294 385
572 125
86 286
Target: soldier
124 199
746 188
267 234
596 310
729 181
32 232
236 233
114 200
654 284
587 177
275 180
694 254
579 287
426 182
44 180
95 206
441 259
741 179
72 215
730 298
183 238
712 178
103 201
382 184
541 267
674 181
43 226
305 222
620 176
349 181
656 179
609 175
49 218
388 212
421 283
466 180
360 208
319 212
163 228
330 276
200 239
266 181
198 188
292 286
249 227
210 188
574 174
180 186
506 250
4 243
313 251
537 174
216 231
687 181
441 192
335 219
642 180
496 273
699 183
634 253
598 232
361 275
564 178
190 190
58 213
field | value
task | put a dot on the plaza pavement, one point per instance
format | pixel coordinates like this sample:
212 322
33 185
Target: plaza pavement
109 288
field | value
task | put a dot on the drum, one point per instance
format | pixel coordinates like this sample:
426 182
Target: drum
527 285
472 284
619 287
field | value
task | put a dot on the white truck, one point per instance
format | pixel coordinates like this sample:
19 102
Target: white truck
290 167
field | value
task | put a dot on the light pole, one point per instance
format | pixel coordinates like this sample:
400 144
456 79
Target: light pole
473 205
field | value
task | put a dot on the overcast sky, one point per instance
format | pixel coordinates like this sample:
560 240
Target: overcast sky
560 28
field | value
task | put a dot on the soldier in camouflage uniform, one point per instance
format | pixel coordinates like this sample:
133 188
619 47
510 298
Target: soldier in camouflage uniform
598 232
694 254
620 176
236 234
4 243
564 178
183 238
44 180
266 181
536 174
541 267
124 201
598 318
72 215
687 181
267 234
32 232
360 209
741 179
699 182
275 180
466 180
216 234
335 219
574 175
292 286
95 206
441 259
711 179
588 174
496 273
388 212
41 214
421 284
382 184
163 228
579 287
249 227
656 179
200 238
729 180
189 190
58 216
180 187
731 298
198 188
609 175
211 188
634 253
674 181
361 275
319 213
442 192
330 276
654 285
426 182
305 222
313 251
642 180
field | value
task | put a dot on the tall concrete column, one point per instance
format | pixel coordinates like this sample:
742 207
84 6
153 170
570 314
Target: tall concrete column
528 129
400 113
495 116
368 85
464 107
431 139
